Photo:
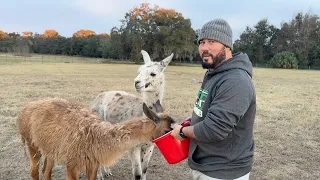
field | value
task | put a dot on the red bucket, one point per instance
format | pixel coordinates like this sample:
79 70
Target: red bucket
172 149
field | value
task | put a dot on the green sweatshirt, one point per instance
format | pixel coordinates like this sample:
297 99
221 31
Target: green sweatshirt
223 118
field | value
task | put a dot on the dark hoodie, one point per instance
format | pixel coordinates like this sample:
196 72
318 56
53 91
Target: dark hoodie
223 120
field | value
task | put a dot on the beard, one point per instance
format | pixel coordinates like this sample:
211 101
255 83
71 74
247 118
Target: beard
216 60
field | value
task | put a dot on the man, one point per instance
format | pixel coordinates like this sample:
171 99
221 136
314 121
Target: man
221 128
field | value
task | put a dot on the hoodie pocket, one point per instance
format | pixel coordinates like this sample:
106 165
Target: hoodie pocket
192 150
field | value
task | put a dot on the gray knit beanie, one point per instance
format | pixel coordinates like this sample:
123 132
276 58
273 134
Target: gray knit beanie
219 30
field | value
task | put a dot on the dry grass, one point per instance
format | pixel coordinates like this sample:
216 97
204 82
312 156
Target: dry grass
286 129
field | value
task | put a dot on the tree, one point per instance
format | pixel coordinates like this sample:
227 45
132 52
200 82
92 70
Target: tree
3 35
135 28
22 47
113 47
14 43
264 37
246 43
27 34
50 33
259 42
159 31
314 55
92 47
175 34
84 33
300 36
104 35
77 45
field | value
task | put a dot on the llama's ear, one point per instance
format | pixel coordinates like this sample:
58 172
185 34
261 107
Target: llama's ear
146 57
158 107
150 114
166 61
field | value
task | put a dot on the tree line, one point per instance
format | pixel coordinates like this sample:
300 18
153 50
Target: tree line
296 42
157 30
162 31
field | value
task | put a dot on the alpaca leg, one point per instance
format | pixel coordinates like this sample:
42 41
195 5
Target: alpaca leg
104 112
146 153
103 172
47 168
136 162
34 157
73 173
100 173
107 171
91 171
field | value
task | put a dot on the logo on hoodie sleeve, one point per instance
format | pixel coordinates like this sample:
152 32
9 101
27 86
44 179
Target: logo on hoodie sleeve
198 106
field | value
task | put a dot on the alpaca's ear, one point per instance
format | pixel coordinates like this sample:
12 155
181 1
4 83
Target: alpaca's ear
146 57
158 107
150 114
166 61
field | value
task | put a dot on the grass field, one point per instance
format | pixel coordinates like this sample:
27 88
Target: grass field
287 128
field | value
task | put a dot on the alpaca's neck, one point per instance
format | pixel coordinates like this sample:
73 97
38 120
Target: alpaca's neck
113 141
151 97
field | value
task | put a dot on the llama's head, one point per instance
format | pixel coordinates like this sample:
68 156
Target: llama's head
163 121
151 74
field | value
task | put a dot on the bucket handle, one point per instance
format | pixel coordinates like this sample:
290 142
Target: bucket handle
186 122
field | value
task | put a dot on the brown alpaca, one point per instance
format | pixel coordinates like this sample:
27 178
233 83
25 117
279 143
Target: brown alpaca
72 134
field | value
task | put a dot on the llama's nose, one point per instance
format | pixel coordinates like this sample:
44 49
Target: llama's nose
136 83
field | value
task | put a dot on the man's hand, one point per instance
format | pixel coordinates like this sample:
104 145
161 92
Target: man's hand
175 132
187 131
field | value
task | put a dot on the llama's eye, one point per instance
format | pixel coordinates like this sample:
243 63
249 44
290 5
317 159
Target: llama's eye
153 74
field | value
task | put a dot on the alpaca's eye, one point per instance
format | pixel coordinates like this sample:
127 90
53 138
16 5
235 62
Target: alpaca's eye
153 74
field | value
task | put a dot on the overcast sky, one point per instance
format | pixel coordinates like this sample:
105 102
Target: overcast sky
68 16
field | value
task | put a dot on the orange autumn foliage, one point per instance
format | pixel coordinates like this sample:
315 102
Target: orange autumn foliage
145 12
27 34
50 33
104 35
162 12
144 6
84 33
137 11
141 12
3 35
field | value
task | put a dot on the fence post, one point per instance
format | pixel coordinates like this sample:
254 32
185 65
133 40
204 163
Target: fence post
6 58
42 59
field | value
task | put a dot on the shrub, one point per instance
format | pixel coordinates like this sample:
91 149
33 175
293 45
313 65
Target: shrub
285 60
